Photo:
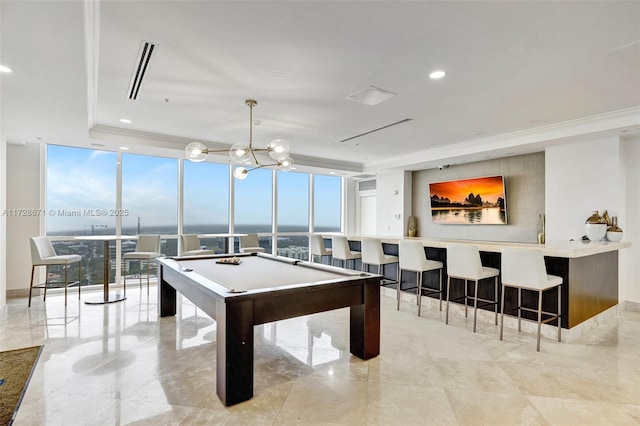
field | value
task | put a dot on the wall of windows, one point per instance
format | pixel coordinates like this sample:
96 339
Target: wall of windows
253 202
81 181
80 191
80 198
327 203
150 199
293 214
205 201
205 198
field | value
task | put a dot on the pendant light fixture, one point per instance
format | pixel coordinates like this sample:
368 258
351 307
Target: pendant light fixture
245 153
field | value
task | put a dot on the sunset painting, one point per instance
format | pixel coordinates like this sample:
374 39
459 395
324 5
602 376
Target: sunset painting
469 201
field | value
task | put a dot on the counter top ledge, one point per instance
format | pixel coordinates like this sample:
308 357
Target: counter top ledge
568 249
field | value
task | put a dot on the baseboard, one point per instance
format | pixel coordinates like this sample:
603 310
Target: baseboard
631 306
511 322
19 293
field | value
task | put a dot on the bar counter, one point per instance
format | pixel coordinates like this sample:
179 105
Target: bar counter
589 271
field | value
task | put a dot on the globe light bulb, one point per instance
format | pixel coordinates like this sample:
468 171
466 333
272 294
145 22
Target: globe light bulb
196 152
240 173
278 149
240 153
286 164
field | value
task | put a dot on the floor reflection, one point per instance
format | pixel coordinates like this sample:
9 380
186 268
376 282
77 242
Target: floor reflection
122 364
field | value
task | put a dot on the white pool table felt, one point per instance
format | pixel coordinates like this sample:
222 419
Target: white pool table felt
255 272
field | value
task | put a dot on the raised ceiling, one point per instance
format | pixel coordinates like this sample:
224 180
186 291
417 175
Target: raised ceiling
547 70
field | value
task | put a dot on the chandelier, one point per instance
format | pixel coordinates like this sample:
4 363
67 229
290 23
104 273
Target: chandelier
243 153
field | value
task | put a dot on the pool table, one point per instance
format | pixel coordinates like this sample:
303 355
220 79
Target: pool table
264 288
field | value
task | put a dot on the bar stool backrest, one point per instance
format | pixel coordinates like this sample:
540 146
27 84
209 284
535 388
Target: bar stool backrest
372 252
412 256
190 242
524 267
340 247
41 249
148 244
316 246
463 261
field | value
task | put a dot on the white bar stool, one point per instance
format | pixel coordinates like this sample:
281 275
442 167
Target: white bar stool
317 247
191 246
147 248
463 262
372 254
44 254
340 250
524 269
250 244
413 258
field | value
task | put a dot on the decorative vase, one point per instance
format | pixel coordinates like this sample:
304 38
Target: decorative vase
541 228
596 227
605 216
614 233
413 229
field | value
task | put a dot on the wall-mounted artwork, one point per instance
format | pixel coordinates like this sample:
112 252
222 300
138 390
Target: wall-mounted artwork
479 201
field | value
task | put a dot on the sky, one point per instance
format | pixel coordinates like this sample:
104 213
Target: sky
489 188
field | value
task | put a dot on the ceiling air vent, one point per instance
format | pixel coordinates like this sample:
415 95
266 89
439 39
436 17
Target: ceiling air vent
376 130
370 96
140 68
367 185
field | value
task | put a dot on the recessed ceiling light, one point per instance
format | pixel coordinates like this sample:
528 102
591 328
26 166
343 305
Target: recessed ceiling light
437 74
125 120
4 69
124 148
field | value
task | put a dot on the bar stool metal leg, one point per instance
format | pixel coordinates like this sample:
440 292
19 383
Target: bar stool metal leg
519 306
559 310
398 291
539 318
466 289
440 281
504 290
496 298
475 306
419 284
446 321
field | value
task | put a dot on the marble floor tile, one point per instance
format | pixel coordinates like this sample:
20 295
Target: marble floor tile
315 400
121 364
493 408
391 403
562 411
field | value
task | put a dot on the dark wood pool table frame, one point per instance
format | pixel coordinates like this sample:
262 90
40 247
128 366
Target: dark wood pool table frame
237 313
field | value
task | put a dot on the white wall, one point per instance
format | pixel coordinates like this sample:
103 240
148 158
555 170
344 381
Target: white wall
629 265
349 198
3 206
598 175
3 221
580 178
3 203
23 192
393 189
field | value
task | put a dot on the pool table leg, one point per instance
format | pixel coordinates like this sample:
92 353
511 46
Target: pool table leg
166 297
234 351
365 323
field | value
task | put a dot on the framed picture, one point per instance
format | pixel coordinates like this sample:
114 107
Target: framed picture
475 201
